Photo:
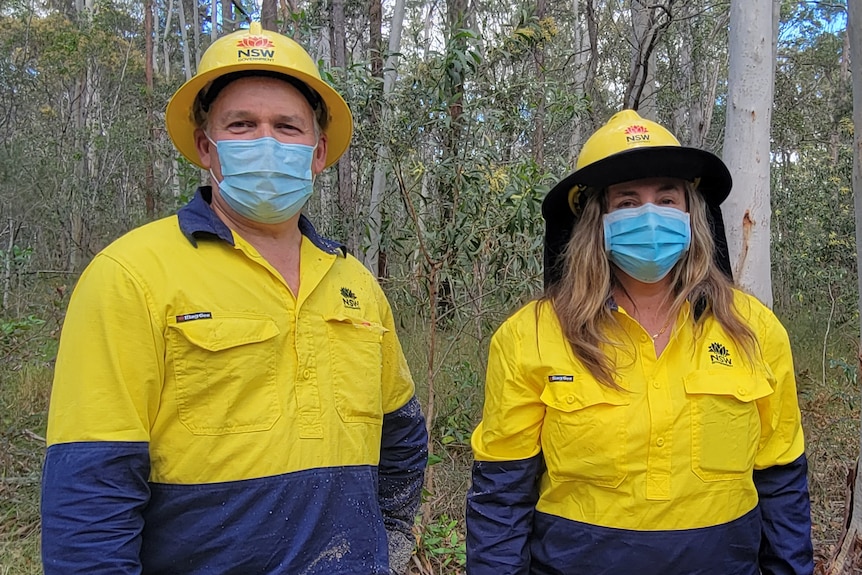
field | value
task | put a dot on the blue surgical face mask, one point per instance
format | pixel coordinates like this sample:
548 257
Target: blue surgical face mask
647 241
265 180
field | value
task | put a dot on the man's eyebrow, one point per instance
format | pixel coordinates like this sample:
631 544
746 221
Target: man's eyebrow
240 114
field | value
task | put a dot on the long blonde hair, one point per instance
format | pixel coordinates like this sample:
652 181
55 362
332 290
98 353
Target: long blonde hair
580 298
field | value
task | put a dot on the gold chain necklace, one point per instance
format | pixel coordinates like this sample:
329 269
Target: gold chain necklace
661 331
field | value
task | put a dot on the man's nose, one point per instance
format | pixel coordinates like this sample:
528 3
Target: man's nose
265 130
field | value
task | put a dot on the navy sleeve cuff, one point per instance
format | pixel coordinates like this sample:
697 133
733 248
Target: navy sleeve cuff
403 457
785 511
500 507
93 494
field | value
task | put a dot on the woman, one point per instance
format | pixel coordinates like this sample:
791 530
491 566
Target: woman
641 417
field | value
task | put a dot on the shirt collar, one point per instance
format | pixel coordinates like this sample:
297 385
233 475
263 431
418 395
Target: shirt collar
198 221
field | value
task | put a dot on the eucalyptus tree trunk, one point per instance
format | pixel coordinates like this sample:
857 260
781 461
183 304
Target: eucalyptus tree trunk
850 546
751 79
213 20
85 93
390 74
346 202
645 35
149 175
196 22
227 21
153 37
375 41
166 50
187 61
268 15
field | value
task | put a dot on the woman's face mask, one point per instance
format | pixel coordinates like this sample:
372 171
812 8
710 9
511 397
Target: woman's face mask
647 241
265 180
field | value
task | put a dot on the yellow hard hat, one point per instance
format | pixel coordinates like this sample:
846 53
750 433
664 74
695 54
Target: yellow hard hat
261 50
628 148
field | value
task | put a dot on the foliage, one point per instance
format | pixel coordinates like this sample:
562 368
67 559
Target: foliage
462 226
441 547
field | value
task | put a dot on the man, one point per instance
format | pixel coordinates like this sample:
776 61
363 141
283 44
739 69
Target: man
230 396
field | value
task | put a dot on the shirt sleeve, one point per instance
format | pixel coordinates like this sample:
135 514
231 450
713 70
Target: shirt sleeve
507 449
105 392
780 474
403 448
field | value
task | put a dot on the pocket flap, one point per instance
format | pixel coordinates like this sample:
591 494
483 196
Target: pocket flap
363 329
224 331
745 387
572 396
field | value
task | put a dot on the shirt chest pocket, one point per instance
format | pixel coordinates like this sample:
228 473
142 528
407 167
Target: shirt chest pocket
584 434
725 422
356 365
224 371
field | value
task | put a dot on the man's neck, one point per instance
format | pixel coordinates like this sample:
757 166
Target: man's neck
279 244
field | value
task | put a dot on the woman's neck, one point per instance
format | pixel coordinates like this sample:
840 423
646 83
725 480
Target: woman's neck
643 297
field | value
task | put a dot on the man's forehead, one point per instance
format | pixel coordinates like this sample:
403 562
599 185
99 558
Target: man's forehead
229 81
243 96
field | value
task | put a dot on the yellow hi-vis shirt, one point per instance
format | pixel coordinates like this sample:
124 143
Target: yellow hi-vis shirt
675 449
204 419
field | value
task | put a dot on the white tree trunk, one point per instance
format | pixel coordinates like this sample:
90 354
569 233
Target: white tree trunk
165 47
196 22
155 36
751 82
187 61
375 220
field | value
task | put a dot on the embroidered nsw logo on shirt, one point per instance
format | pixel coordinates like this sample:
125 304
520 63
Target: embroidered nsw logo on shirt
194 316
349 298
553 378
719 354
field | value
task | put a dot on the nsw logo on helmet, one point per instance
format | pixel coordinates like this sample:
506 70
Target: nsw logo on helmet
636 133
255 48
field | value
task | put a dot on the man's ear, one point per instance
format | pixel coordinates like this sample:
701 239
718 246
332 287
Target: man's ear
204 148
319 160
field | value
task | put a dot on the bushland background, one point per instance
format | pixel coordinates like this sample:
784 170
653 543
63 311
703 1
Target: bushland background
466 112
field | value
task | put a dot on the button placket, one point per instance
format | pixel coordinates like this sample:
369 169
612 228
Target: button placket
307 391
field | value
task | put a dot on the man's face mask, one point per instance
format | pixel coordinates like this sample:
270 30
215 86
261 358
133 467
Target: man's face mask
265 180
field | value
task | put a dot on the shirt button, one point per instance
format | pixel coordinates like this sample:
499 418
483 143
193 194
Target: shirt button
656 384
659 441
644 339
570 399
742 391
306 374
